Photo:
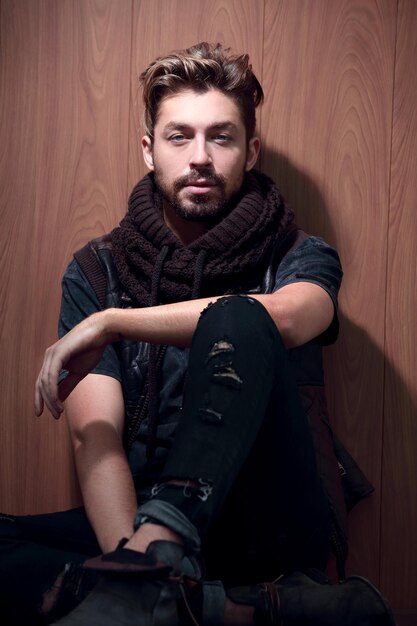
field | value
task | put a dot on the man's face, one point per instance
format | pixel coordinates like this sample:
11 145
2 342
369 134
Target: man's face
199 153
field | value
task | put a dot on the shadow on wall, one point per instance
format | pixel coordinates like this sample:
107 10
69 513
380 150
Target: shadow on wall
357 373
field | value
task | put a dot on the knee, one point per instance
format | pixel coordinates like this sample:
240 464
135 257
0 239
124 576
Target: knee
240 306
244 315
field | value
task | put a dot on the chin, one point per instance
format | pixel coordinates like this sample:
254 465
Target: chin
201 211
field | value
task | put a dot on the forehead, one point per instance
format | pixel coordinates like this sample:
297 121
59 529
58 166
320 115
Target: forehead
196 109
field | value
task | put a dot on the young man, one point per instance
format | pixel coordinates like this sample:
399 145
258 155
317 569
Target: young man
190 339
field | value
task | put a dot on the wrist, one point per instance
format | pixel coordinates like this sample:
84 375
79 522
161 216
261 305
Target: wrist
109 328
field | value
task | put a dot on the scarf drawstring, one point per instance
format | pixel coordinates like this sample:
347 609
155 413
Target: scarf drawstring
154 357
157 353
198 274
157 273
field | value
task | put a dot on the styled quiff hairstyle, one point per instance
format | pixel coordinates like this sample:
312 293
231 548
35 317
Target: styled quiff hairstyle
201 68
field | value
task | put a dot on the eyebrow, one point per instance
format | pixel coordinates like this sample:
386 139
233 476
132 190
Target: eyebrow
182 126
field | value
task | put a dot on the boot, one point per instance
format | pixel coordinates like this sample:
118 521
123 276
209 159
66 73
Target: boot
301 600
133 588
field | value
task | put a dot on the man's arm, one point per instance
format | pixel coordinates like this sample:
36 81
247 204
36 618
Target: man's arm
301 311
95 412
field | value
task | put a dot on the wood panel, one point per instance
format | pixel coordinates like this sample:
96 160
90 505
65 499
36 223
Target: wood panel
399 502
18 134
328 74
160 27
78 63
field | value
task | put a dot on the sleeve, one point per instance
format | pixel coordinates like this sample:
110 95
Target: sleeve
78 302
314 261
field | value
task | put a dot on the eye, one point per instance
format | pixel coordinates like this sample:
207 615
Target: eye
178 138
222 138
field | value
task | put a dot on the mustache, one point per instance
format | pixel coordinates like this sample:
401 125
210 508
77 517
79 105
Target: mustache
196 175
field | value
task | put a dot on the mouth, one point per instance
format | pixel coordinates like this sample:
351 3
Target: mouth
199 186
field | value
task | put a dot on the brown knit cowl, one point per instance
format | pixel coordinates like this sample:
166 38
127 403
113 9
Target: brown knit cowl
154 266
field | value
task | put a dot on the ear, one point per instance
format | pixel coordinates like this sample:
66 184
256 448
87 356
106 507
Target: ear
253 152
147 151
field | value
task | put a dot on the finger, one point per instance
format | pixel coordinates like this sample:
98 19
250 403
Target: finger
38 400
48 391
54 406
53 366
46 388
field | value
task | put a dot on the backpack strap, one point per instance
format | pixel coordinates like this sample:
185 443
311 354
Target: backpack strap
89 262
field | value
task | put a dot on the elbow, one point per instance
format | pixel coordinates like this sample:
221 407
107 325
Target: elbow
81 440
288 331
285 322
97 434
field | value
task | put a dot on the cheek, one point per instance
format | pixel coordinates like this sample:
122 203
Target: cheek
236 170
233 166
165 167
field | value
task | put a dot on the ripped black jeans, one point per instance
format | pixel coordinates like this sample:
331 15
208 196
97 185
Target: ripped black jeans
243 451
244 446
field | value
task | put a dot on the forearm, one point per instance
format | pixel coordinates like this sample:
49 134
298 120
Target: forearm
96 414
171 324
300 311
106 484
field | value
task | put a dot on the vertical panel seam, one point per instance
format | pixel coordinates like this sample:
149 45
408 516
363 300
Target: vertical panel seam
38 108
262 66
261 159
130 106
384 397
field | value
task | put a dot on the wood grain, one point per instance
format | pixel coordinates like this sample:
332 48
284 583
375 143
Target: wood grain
78 63
328 72
399 501
18 80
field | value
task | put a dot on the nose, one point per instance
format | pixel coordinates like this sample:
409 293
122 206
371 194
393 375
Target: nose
200 153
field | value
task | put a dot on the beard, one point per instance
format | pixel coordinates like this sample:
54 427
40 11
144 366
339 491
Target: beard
196 207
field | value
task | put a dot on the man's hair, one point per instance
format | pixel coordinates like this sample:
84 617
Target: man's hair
201 68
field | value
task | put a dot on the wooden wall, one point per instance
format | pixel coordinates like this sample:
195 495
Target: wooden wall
339 127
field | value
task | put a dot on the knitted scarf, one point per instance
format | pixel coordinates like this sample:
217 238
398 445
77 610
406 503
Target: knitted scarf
155 267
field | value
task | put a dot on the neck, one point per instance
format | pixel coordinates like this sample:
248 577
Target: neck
187 231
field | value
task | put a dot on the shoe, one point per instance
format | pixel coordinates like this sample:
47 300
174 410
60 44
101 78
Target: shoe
304 600
134 589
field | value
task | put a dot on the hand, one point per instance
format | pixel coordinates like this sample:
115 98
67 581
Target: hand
78 351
